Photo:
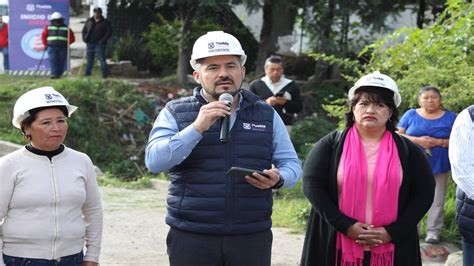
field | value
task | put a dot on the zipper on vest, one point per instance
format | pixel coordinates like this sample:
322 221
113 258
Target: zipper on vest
230 191
56 216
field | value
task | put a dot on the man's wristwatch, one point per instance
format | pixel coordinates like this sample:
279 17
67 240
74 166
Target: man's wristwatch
280 183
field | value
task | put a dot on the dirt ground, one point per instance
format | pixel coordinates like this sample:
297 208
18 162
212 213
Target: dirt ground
135 230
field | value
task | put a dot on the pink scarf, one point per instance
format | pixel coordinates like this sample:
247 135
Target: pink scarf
386 185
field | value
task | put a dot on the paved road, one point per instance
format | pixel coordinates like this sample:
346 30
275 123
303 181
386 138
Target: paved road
135 230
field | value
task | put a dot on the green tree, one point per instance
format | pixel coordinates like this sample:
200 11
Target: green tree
186 12
440 55
342 28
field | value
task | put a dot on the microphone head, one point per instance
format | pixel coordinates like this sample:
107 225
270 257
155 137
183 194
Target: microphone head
226 97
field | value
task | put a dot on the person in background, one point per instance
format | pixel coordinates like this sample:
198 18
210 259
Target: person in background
49 198
281 93
368 186
57 37
216 218
429 126
461 155
96 32
4 44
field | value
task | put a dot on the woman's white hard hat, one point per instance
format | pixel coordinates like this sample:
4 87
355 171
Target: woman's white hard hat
376 79
216 43
56 15
40 97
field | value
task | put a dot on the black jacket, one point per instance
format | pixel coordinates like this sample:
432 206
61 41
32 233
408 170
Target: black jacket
320 187
96 32
287 110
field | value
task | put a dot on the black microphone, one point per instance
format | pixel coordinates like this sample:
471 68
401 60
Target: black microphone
225 127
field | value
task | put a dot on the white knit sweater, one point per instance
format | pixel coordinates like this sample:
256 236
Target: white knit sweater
50 208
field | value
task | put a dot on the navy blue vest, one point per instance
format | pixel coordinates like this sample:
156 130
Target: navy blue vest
465 207
201 197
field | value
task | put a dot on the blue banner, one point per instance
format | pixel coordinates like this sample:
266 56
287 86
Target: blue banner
27 20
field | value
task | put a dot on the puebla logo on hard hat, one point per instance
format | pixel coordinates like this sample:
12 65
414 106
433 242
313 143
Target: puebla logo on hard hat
216 47
53 98
375 80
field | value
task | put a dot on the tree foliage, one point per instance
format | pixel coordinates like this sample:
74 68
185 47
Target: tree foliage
341 27
440 55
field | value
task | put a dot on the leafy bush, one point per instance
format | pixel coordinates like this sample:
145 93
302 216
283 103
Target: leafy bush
308 131
104 126
132 47
440 55
162 42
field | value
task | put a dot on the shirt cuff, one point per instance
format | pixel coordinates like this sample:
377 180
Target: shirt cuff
190 135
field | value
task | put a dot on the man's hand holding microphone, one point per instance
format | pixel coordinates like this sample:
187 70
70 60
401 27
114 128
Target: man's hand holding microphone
211 112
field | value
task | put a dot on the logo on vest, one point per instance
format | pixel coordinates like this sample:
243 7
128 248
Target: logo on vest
254 127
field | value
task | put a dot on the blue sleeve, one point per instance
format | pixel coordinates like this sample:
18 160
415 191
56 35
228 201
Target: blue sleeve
284 154
405 120
167 146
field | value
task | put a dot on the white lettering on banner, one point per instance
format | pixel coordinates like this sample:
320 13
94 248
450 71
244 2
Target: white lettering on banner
33 17
44 6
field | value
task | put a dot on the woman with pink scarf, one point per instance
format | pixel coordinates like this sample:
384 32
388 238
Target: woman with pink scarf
368 186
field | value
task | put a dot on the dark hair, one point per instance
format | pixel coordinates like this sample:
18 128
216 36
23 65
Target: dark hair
34 114
376 95
98 10
428 87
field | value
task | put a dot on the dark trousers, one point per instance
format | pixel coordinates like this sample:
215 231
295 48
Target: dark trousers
185 248
72 260
57 58
92 50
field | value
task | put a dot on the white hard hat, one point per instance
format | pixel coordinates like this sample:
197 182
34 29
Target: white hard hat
216 43
56 15
40 97
376 79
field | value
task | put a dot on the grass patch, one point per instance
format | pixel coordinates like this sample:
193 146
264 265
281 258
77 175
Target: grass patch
290 213
291 209
108 180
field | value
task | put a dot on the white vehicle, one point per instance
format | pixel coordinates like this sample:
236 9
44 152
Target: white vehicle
4 10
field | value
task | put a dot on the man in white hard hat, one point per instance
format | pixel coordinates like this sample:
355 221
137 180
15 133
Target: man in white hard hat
278 91
56 38
217 216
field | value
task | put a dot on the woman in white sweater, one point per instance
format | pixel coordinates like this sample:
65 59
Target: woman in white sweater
49 198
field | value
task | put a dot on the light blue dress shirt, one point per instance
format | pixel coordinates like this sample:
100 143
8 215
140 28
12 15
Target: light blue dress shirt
167 146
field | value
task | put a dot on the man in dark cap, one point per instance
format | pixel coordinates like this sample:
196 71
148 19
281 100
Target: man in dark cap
96 33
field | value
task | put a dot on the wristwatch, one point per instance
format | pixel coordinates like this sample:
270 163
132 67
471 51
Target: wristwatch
280 183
